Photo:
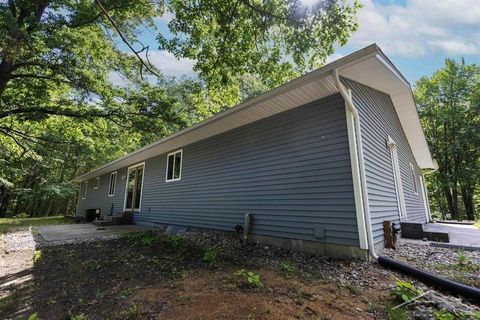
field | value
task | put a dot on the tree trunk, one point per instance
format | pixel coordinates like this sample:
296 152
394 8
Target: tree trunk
467 196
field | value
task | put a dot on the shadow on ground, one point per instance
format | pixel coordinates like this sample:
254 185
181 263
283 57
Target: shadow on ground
154 276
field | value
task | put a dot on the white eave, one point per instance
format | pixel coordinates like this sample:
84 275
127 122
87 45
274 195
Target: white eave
368 66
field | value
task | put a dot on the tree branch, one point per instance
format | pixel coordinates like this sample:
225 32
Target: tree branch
124 39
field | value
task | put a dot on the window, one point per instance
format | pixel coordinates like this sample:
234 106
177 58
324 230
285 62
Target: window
111 185
96 182
174 166
415 186
84 194
402 210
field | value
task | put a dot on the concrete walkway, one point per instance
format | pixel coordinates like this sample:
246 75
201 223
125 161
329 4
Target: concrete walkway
459 235
85 231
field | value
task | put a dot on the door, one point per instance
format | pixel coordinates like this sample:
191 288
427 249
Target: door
134 188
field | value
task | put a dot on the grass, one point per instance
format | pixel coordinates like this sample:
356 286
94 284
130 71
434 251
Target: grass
477 224
11 224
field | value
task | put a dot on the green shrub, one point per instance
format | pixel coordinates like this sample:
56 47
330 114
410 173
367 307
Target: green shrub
288 268
404 291
210 256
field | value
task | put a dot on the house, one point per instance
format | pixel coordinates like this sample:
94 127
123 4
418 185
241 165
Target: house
319 163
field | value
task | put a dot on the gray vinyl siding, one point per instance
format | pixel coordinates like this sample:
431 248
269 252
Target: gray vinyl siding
378 121
99 199
292 171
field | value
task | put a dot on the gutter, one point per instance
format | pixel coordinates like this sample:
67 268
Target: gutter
347 96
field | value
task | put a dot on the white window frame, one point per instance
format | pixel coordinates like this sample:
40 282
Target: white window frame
141 164
84 194
173 169
114 173
414 180
96 183
397 177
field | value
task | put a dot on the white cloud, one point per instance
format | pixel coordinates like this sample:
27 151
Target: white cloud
420 27
170 65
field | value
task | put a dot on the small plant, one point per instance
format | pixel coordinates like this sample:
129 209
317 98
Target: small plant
34 317
210 256
443 314
252 279
37 256
288 268
463 258
146 238
404 291
175 240
79 317
130 313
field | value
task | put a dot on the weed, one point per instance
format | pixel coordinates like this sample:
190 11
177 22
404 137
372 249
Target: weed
210 256
443 314
34 316
354 290
463 258
7 302
130 313
126 293
288 268
396 314
404 291
37 256
146 238
79 317
252 279
175 241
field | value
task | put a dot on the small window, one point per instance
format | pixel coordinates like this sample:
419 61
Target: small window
96 182
415 186
174 166
111 185
84 194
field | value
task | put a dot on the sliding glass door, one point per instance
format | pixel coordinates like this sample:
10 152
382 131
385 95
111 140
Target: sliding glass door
134 188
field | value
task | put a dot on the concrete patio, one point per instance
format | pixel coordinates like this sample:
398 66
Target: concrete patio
84 231
460 235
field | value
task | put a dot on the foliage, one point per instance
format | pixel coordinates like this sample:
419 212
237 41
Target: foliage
404 291
443 314
10 224
37 256
273 40
252 279
449 107
210 256
33 316
397 313
77 91
288 268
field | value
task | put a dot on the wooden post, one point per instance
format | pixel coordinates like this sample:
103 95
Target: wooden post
387 230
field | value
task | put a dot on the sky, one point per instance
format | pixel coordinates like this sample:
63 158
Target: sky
417 35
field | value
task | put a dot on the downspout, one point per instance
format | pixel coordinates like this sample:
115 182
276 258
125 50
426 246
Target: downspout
347 96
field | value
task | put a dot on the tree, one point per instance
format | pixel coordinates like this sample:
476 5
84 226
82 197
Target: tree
449 106
62 114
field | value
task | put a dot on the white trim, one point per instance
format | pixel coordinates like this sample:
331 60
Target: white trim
114 185
397 177
173 169
423 185
414 180
96 183
141 164
357 182
84 194
368 66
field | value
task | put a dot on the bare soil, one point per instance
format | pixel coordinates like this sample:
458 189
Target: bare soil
161 278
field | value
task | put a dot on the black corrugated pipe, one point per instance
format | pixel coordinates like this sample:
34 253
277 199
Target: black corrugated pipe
430 279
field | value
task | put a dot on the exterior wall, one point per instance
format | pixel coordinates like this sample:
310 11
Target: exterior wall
98 198
379 120
292 171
